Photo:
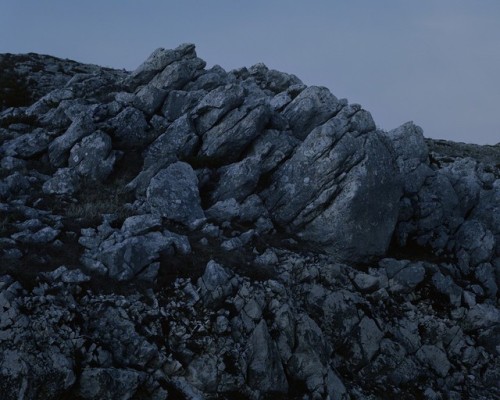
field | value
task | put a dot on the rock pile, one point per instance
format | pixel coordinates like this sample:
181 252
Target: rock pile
182 232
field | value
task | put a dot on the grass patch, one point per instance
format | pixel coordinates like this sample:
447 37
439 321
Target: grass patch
96 199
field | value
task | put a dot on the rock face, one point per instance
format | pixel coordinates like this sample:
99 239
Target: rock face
340 188
193 233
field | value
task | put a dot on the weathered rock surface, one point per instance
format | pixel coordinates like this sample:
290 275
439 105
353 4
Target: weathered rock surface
192 233
173 193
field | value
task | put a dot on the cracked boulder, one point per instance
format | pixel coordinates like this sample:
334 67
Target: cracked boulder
93 157
340 189
173 194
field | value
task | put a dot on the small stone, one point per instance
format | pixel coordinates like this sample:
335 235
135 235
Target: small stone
366 283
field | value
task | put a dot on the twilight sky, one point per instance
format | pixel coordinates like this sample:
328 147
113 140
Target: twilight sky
436 62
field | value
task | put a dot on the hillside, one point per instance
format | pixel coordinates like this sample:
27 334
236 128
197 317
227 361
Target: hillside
178 232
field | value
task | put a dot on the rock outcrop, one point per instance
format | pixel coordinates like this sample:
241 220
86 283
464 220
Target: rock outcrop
193 233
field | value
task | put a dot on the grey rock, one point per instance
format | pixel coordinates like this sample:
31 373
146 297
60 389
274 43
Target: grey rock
50 100
180 242
215 105
265 371
128 258
433 215
446 286
280 101
109 383
365 342
232 244
226 140
273 147
173 193
366 283
211 230
307 362
434 358
159 123
43 236
393 266
412 155
64 182
406 332
176 75
224 210
140 224
178 141
408 278
10 163
481 316
467 186
93 157
271 79
158 61
484 273
311 108
129 128
476 240
149 99
210 79
487 210
214 283
59 148
26 145
202 373
65 275
30 224
238 180
16 184
180 102
267 258
322 192
252 209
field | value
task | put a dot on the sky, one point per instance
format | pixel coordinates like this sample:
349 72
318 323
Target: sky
434 62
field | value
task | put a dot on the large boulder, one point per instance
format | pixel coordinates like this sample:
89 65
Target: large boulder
82 126
173 193
129 128
158 61
339 189
226 141
93 156
412 155
312 107
27 145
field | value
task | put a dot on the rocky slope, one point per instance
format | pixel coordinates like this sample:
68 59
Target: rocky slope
180 232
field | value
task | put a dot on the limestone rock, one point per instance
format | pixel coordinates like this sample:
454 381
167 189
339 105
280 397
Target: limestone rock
158 61
93 157
129 128
173 194
59 148
226 140
322 192
64 182
311 108
265 371
27 145
178 141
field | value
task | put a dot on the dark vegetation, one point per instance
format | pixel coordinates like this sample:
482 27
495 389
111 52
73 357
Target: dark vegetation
14 90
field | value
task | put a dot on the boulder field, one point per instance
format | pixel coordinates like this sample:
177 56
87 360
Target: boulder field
178 232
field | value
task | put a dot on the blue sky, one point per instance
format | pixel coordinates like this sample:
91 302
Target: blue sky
436 62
